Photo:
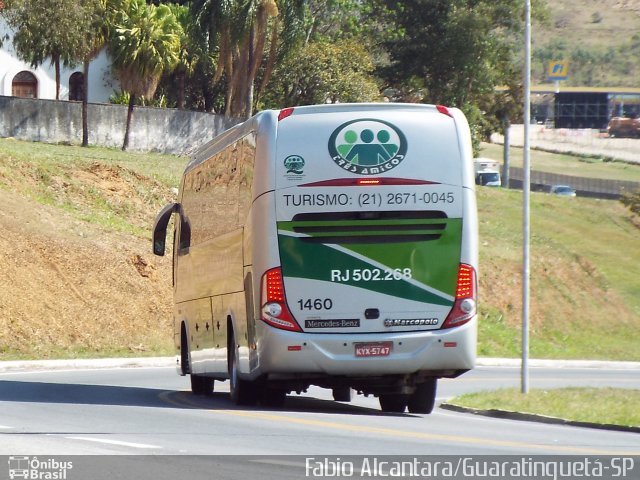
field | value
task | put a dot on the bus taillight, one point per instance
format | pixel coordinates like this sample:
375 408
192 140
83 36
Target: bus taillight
464 306
284 113
274 303
444 110
367 181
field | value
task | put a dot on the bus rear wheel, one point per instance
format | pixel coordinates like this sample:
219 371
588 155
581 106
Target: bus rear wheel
242 392
424 398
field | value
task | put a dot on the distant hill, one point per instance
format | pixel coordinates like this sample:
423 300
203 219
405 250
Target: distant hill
599 38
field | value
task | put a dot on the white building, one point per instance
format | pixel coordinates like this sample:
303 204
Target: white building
19 79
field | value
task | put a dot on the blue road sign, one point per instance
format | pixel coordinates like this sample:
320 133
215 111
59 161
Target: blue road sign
558 70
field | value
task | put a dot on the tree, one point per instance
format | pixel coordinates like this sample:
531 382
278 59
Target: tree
324 72
240 31
52 30
71 32
454 52
632 201
190 50
333 19
144 42
94 41
190 84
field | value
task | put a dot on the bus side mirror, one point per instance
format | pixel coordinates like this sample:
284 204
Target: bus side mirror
160 228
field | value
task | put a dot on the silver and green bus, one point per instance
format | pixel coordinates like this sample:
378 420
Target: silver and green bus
331 245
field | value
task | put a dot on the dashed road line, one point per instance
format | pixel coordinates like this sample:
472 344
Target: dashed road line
115 442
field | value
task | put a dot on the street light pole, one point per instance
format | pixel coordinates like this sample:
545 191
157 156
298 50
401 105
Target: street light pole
526 188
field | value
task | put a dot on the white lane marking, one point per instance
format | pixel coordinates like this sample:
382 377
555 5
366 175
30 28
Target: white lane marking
5 427
72 369
284 463
114 442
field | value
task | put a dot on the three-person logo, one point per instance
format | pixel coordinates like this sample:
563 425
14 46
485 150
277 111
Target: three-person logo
294 164
367 146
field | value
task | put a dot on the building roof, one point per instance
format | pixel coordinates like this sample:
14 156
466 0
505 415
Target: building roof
551 88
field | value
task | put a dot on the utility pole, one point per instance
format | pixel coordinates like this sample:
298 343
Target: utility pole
506 124
526 189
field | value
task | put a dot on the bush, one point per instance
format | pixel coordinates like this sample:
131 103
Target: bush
632 200
323 72
122 98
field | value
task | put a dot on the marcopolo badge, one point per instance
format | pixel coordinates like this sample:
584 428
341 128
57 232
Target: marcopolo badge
367 146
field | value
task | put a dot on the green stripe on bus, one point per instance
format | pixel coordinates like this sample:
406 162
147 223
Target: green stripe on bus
432 263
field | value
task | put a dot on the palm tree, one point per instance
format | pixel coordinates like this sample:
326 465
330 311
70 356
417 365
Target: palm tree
144 43
240 30
95 40
190 51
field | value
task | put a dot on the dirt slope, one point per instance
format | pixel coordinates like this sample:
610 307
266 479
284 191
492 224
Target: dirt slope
69 287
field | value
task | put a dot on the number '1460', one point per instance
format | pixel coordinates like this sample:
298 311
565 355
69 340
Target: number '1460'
315 304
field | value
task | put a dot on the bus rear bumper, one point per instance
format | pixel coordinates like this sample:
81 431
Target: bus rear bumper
439 351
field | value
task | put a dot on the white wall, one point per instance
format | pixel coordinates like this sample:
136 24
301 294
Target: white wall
101 83
152 129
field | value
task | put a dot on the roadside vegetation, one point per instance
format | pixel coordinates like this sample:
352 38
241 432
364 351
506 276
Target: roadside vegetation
606 406
632 201
585 261
237 57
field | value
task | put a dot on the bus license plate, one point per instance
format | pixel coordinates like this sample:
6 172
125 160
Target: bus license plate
378 349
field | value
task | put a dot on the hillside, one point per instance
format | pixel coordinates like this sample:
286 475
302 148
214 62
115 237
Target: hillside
78 277
69 288
585 284
599 38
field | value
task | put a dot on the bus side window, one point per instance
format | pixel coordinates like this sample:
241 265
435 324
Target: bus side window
246 158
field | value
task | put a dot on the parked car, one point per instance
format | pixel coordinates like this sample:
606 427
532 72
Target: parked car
563 190
624 127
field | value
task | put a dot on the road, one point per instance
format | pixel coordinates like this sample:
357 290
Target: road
149 411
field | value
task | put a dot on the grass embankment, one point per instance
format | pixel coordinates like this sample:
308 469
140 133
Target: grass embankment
585 277
110 188
607 406
585 260
585 291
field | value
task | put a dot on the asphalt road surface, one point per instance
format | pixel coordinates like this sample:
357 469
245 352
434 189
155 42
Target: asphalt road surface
150 411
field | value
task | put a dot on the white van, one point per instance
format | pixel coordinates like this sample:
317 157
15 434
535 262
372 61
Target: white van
331 245
487 172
